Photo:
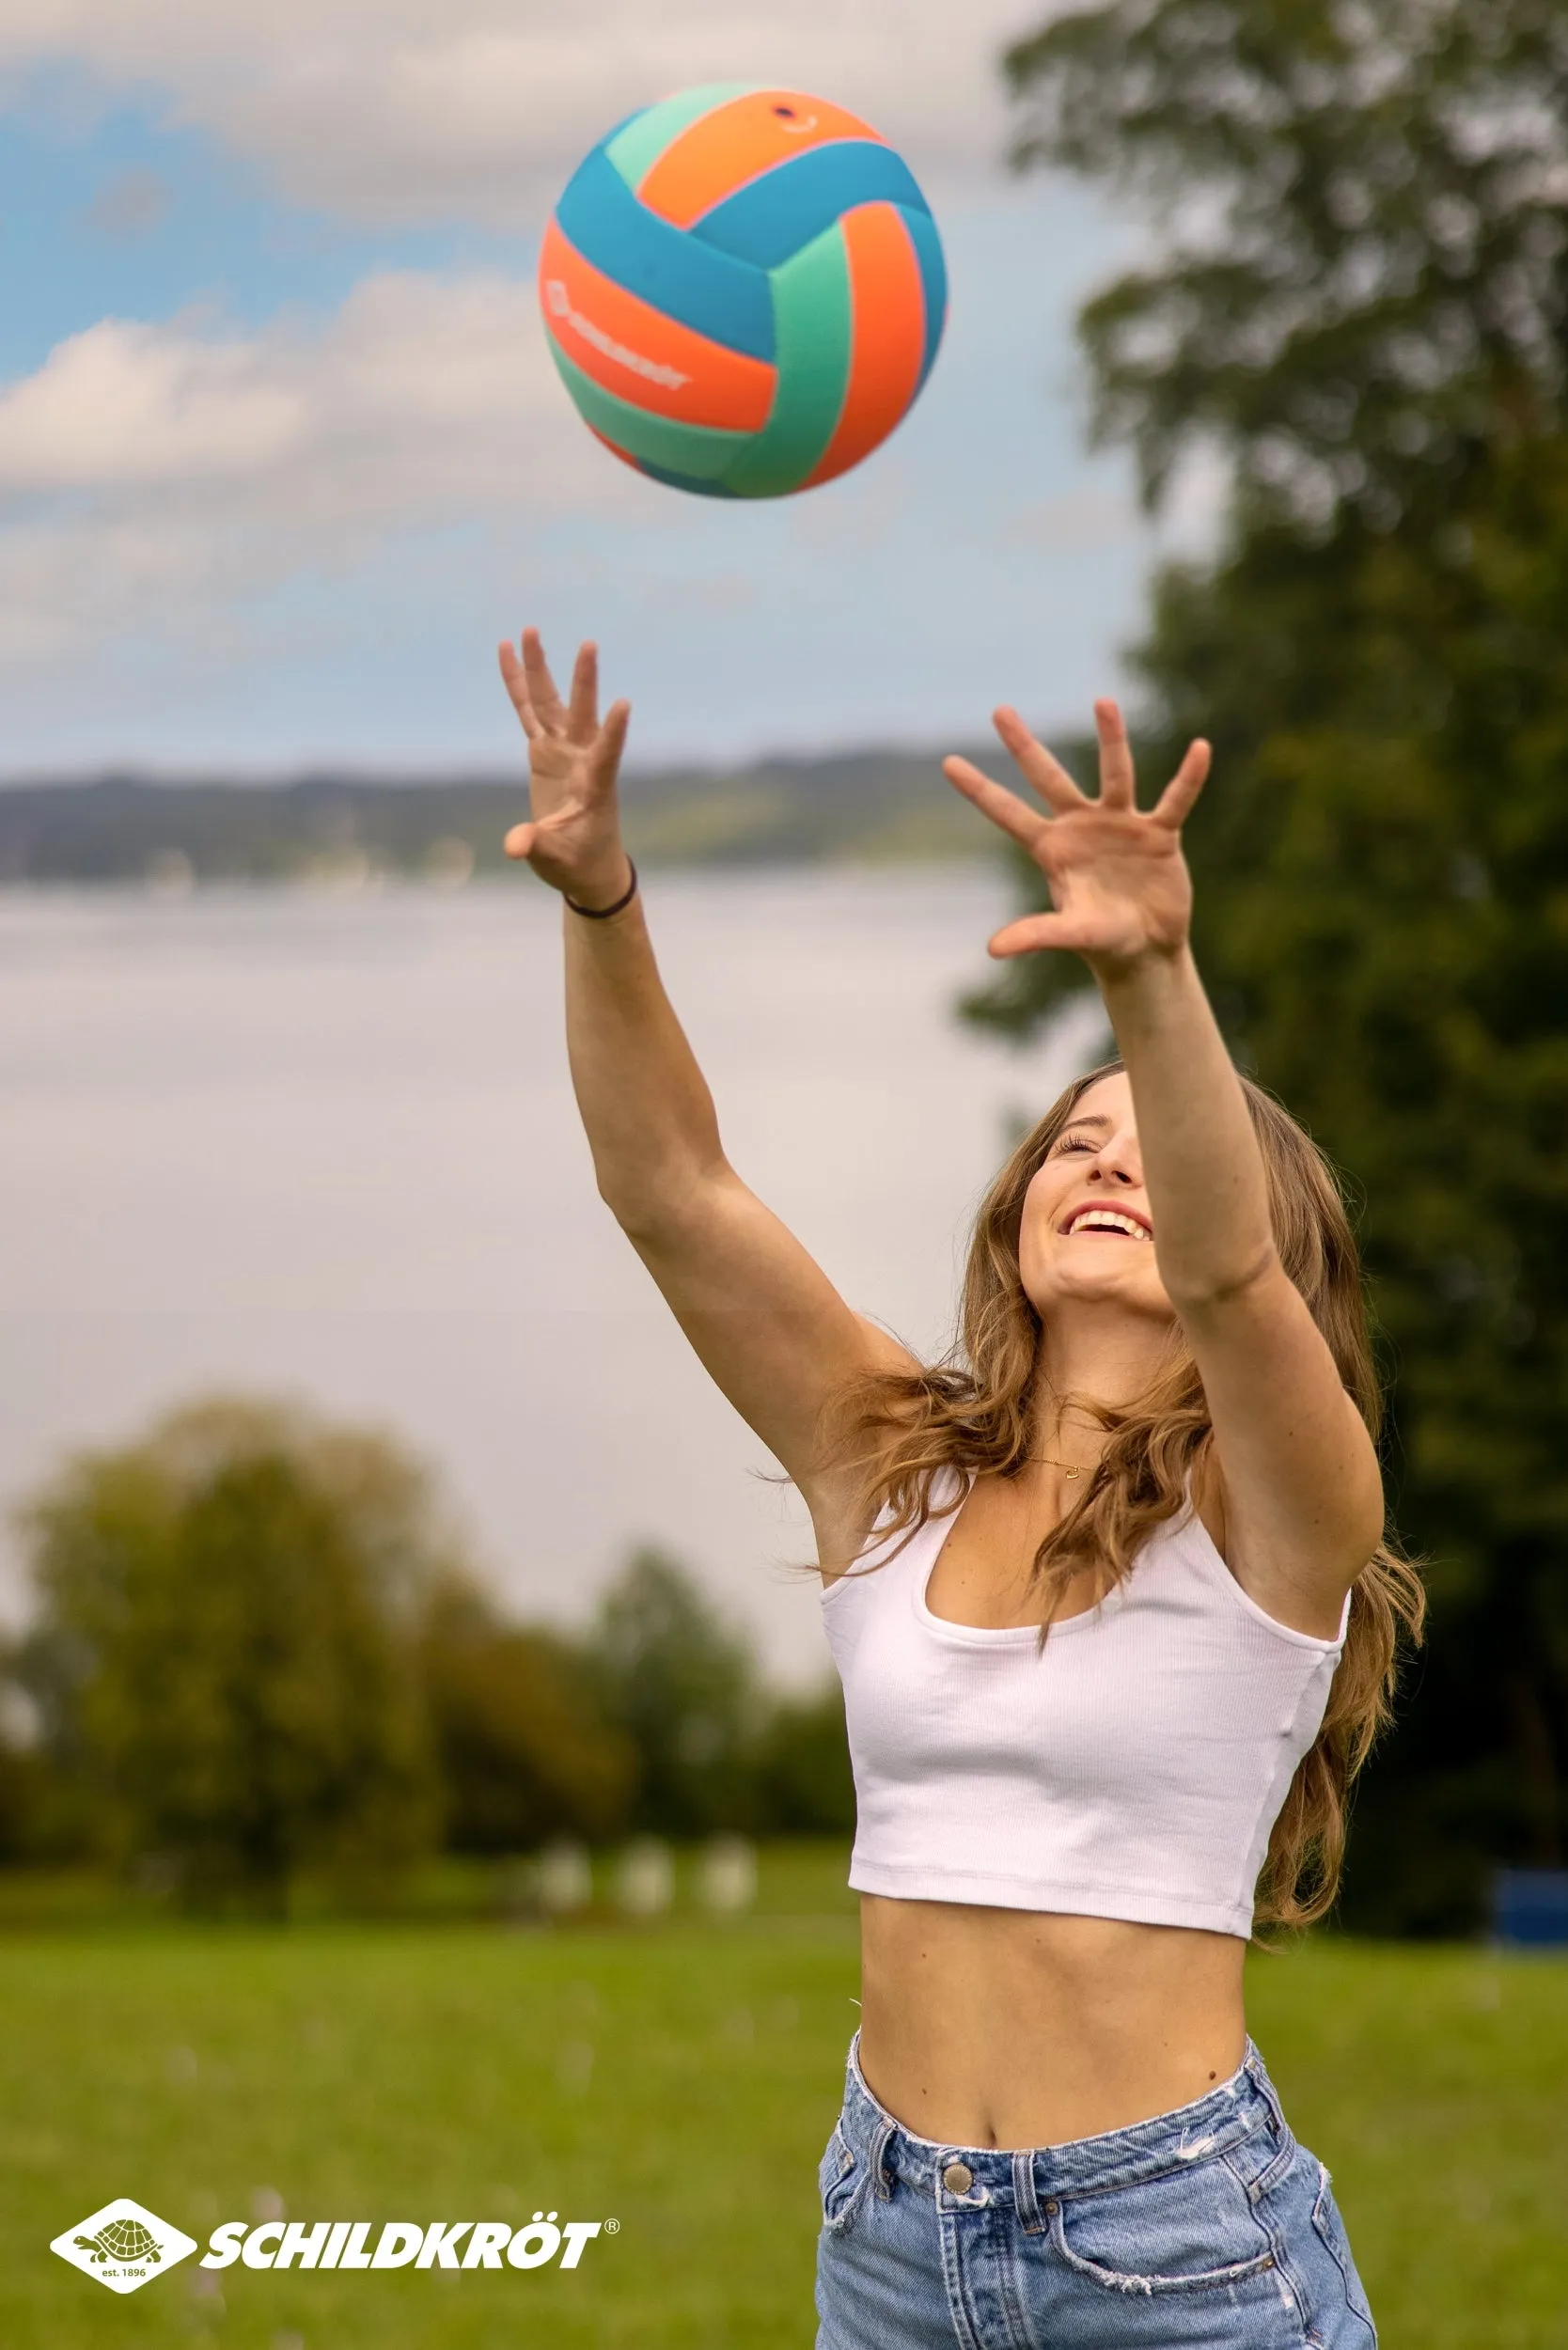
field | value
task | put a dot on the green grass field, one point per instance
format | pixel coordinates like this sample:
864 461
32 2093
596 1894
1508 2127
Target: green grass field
680 2077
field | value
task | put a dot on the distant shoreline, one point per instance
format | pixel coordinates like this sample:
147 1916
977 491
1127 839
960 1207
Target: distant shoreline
174 883
336 830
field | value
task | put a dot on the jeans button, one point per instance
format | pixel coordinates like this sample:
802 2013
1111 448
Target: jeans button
958 2178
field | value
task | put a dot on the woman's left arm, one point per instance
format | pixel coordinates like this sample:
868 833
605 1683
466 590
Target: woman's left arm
1300 1492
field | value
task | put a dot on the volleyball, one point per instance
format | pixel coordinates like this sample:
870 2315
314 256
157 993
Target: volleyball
744 290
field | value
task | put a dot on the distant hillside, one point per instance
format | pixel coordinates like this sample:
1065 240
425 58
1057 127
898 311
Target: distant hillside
871 805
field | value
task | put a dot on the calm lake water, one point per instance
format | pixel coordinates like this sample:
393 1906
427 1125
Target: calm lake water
327 1146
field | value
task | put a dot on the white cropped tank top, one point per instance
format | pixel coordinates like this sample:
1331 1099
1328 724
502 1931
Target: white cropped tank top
1132 1768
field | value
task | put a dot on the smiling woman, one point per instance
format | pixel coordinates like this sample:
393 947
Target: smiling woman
1107 1723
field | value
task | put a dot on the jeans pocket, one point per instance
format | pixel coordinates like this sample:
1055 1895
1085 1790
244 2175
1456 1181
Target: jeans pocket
1331 2231
842 2176
1194 2231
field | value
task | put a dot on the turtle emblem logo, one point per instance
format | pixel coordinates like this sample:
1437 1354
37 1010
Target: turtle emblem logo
124 2245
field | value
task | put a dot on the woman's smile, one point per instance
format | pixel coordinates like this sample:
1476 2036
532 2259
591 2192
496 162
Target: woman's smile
1118 1223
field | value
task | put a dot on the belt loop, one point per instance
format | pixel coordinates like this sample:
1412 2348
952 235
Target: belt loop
1266 2089
1023 2190
879 2147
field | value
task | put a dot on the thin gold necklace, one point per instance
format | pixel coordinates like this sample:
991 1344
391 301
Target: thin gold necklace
1060 1465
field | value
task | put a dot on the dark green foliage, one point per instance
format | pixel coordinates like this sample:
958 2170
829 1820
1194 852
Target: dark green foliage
805 1786
525 1749
1365 272
655 1721
256 1655
28 1813
1376 338
26 1790
220 1663
716 1749
683 1689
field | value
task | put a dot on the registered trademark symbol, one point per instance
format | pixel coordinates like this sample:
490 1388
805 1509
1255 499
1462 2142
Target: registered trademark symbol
611 2226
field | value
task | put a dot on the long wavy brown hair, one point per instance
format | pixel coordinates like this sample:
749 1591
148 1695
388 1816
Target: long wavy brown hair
973 1411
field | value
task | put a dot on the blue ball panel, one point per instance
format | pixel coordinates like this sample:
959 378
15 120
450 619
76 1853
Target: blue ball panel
684 480
933 278
776 215
704 288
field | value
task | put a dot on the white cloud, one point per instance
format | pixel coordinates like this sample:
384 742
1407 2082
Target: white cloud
160 475
123 405
402 110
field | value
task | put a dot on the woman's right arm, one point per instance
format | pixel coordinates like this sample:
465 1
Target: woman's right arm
763 1316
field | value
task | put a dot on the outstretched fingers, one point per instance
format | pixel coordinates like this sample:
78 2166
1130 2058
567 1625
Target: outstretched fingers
516 683
603 757
1174 803
1004 807
581 723
1118 787
541 686
1032 932
612 739
1035 763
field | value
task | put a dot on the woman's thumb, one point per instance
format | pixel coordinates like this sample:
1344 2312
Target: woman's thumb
520 840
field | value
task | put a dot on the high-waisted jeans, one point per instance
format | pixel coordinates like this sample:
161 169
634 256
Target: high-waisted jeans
1206 2226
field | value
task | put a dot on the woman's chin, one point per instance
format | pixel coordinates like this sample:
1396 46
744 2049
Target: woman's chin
1124 1286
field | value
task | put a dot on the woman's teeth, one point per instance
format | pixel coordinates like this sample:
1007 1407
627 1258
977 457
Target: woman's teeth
1107 1220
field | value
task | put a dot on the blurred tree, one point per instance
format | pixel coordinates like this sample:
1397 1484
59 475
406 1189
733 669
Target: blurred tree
683 1688
223 1657
525 1749
1362 280
1362 305
804 1783
30 1823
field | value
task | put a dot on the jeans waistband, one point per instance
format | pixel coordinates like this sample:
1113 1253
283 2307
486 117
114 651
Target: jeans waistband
1212 2125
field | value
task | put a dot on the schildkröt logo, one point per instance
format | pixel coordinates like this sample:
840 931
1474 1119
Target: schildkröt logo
547 2241
652 370
124 2245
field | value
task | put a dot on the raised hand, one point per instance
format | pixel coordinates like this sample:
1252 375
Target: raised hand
1118 881
572 838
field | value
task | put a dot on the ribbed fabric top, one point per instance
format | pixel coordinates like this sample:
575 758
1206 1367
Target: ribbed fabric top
1133 1768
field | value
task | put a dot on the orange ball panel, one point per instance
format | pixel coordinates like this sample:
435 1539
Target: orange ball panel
887 311
722 150
663 365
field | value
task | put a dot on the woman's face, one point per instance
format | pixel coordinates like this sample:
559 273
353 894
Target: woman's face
1086 1232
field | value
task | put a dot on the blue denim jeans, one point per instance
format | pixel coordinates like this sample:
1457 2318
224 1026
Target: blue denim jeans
1207 2226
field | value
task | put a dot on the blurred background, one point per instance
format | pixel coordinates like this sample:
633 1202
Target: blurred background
421 1784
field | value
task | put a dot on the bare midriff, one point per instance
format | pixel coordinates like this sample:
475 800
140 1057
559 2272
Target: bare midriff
985 2026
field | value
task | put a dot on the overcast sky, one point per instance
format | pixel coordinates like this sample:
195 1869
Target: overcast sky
281 452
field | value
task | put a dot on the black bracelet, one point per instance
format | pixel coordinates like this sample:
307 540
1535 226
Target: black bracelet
601 914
